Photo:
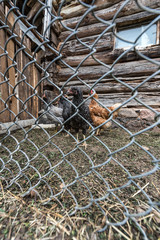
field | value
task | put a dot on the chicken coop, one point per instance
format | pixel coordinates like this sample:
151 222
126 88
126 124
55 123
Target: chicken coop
80 119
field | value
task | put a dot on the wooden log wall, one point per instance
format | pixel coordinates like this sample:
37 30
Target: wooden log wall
17 80
131 68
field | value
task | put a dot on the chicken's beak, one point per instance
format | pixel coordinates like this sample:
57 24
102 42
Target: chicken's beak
66 96
69 92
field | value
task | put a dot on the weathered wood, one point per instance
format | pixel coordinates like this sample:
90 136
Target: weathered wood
55 4
89 30
75 9
108 57
9 4
24 87
12 72
54 38
47 19
4 88
44 126
111 81
30 3
18 37
34 10
135 68
15 126
151 99
35 79
12 80
119 88
108 14
94 29
75 47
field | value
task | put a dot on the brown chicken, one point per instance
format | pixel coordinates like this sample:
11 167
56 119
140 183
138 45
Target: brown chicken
99 114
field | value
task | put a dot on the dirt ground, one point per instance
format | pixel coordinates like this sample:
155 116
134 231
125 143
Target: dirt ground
97 181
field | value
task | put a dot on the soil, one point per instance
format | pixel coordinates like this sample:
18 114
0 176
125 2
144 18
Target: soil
49 177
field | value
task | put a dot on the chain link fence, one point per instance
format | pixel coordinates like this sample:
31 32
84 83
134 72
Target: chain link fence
114 170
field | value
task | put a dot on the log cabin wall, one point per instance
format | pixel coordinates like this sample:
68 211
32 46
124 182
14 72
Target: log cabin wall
131 69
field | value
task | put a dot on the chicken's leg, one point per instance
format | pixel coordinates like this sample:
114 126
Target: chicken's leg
77 138
98 132
84 143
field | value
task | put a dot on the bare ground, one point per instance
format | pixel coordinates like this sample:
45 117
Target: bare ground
75 181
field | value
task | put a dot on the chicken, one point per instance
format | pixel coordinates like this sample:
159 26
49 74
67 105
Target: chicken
80 111
51 113
66 113
99 114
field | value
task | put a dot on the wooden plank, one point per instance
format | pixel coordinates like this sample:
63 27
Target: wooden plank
10 4
108 57
4 88
47 19
35 8
29 79
12 74
18 38
35 107
23 88
133 68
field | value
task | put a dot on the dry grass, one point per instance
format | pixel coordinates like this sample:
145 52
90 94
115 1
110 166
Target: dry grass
27 217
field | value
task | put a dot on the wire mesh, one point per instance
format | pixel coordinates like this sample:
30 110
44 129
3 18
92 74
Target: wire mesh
42 161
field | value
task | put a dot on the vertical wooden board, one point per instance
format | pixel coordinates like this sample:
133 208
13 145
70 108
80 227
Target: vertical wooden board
19 60
12 79
4 88
35 105
12 73
29 76
25 86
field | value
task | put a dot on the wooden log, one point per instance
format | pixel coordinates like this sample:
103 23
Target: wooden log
89 30
94 29
133 68
15 126
109 57
75 47
149 87
151 99
74 9
110 80
108 14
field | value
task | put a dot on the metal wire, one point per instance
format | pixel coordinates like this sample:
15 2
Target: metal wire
20 171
